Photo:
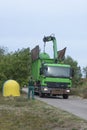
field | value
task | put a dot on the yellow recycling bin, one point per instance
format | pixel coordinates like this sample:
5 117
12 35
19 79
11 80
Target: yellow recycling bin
11 88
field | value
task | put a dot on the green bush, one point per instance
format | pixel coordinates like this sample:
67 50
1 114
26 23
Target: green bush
81 89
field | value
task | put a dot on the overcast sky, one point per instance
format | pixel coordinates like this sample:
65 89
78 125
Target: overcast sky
23 23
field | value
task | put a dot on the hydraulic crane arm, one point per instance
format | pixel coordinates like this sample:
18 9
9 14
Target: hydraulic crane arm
53 39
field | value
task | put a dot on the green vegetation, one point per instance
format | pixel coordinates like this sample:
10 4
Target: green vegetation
16 66
77 70
19 113
81 89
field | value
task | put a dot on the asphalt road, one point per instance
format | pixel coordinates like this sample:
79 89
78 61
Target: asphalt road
74 105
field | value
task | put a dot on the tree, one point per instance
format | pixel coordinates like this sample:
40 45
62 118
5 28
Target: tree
85 71
16 66
3 50
76 68
20 66
2 66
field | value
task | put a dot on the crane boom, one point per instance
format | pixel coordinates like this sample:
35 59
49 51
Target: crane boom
53 39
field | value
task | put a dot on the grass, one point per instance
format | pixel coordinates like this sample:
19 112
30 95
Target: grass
81 89
19 113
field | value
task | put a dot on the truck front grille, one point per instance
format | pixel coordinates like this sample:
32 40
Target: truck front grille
57 85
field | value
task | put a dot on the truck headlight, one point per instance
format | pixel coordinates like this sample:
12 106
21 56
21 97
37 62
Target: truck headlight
68 91
45 89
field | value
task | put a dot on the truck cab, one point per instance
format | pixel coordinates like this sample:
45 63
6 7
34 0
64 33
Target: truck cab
55 80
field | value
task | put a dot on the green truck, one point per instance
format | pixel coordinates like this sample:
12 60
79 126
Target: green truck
51 77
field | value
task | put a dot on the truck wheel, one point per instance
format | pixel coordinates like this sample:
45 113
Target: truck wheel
41 94
65 96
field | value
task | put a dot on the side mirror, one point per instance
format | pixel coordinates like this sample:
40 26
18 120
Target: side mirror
72 72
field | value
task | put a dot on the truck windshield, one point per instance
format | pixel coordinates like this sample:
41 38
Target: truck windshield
57 71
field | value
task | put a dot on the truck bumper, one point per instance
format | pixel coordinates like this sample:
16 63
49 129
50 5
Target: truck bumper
60 91
57 91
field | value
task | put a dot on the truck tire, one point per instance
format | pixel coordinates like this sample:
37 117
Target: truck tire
65 96
41 94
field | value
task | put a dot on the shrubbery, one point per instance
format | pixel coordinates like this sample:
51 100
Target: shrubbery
16 66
